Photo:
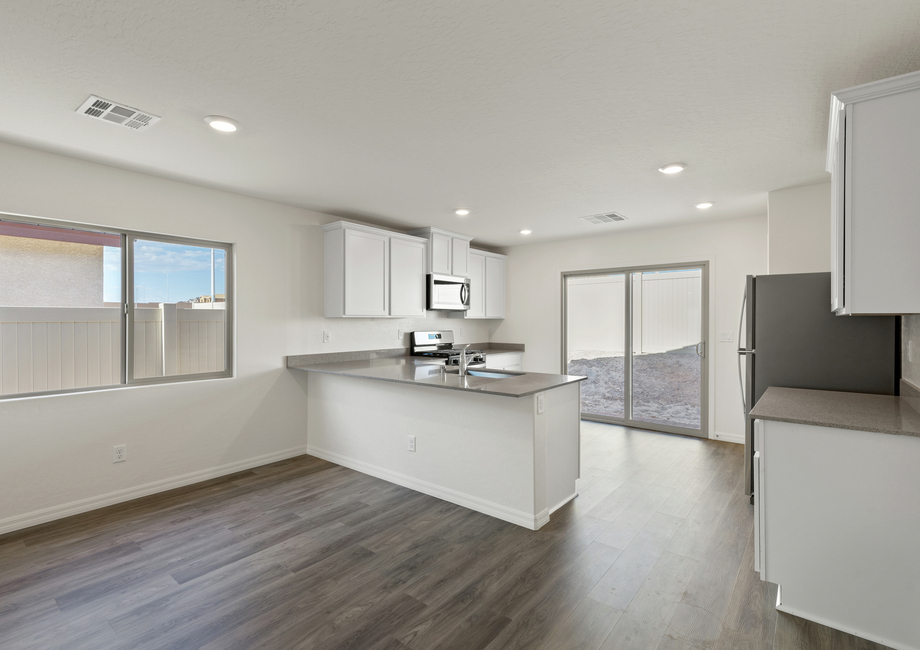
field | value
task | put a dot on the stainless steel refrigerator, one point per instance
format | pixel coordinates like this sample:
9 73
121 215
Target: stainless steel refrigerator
791 338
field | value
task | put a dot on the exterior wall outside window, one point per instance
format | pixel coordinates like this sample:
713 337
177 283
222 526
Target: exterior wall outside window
46 273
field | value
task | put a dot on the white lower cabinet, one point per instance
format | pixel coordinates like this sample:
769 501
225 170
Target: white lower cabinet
369 272
487 285
505 360
837 527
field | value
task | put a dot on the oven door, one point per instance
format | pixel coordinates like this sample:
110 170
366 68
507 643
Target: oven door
448 292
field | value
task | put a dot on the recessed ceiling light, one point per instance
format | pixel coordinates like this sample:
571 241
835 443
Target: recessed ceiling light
526 232
461 212
705 205
221 123
672 168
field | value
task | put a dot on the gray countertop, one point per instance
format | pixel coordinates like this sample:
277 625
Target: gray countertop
824 408
421 372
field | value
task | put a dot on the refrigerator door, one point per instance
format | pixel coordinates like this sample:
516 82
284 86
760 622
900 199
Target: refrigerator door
746 360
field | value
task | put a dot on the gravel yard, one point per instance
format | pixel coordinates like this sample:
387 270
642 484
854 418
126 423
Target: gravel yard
666 386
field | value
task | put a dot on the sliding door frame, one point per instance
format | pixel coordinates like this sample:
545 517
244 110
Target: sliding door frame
627 271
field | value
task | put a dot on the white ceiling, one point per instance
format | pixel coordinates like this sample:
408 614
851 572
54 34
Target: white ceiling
531 114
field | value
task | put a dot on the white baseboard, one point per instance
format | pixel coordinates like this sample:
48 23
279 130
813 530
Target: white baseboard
561 503
519 517
729 437
45 515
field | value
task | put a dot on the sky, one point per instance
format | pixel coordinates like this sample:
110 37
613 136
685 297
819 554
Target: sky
165 272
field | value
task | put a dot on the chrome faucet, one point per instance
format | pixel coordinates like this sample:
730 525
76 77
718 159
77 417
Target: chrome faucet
464 361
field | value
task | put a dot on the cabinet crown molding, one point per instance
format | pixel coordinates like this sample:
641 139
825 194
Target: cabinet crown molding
425 232
479 251
350 225
840 99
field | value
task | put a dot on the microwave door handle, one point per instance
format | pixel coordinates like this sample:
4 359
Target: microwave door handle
464 294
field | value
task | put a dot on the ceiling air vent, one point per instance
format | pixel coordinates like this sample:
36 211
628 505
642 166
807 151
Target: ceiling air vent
103 109
609 217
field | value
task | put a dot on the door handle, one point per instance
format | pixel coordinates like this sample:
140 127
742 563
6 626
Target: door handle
698 346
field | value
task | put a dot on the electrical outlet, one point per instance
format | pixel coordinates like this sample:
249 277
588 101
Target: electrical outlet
461 331
119 453
327 336
411 443
540 404
725 337
399 335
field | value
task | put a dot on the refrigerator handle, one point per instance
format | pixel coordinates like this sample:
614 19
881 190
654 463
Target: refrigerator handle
742 351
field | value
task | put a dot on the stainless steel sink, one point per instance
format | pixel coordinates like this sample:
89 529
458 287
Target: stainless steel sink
489 374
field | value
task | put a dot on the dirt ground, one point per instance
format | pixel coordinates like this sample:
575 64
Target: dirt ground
666 386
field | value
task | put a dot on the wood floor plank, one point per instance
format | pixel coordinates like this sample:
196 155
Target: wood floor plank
634 518
557 600
626 576
586 629
645 620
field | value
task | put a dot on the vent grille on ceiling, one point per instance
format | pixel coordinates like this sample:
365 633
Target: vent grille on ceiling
103 109
609 217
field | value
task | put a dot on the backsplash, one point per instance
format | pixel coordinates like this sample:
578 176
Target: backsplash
910 336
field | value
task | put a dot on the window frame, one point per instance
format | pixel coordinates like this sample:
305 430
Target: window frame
127 303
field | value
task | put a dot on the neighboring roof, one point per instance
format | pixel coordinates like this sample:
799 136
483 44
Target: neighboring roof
12 229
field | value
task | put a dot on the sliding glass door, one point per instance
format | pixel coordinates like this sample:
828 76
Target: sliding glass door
639 335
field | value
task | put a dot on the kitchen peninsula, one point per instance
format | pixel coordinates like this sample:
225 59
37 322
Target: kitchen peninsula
506 445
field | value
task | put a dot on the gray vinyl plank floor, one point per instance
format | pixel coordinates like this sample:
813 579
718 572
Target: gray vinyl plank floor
656 552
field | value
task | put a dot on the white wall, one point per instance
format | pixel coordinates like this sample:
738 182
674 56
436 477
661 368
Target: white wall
57 450
734 248
800 229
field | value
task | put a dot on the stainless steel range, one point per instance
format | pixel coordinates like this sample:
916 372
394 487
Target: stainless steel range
440 345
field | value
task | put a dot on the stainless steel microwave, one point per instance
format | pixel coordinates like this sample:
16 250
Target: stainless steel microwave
448 292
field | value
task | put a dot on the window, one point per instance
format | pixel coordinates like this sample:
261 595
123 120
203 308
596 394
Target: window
64 321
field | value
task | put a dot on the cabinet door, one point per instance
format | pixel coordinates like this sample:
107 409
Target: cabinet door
459 256
495 287
407 278
881 263
367 262
440 253
477 276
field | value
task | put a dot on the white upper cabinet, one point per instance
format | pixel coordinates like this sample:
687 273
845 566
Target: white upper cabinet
369 272
440 246
407 266
448 252
487 285
477 277
459 256
873 145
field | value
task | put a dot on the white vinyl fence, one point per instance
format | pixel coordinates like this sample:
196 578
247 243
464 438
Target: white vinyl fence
55 348
666 313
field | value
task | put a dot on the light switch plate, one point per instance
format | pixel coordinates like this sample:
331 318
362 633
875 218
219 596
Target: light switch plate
725 337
